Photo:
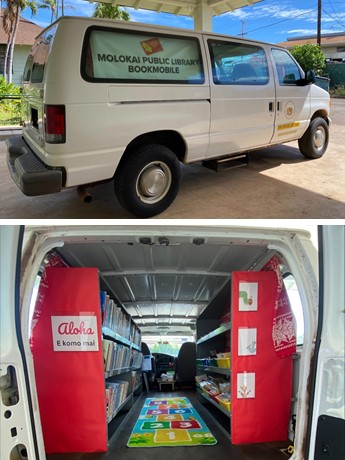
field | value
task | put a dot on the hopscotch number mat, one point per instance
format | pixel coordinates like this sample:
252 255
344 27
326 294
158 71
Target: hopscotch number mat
169 422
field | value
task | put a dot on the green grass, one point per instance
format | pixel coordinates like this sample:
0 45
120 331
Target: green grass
10 112
10 103
338 91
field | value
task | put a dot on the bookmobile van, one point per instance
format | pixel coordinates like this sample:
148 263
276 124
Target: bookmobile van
197 264
128 103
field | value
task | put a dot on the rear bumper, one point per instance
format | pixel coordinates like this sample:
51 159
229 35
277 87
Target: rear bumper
31 175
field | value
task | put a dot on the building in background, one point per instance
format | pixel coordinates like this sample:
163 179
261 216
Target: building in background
26 34
332 45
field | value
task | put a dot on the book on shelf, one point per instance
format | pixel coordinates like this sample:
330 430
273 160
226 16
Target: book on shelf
135 334
103 298
135 379
114 318
116 393
137 358
115 355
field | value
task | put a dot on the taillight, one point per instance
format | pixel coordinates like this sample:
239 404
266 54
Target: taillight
55 124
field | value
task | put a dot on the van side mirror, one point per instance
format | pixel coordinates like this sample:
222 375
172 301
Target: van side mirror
308 80
310 77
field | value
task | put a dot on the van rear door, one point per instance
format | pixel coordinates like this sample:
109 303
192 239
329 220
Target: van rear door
19 407
33 87
327 417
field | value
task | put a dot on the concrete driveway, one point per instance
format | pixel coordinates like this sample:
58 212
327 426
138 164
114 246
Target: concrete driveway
278 183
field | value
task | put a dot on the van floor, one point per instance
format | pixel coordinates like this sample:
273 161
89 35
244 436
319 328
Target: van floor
222 450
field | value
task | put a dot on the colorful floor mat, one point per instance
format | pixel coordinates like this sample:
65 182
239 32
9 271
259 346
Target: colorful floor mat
169 422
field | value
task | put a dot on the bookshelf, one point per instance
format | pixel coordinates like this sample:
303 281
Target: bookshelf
258 378
66 345
84 341
213 336
122 357
210 400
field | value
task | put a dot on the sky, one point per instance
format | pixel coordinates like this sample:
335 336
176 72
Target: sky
269 20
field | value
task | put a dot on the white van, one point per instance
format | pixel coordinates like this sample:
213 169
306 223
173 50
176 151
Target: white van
128 102
140 266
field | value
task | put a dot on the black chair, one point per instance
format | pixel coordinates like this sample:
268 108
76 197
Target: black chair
150 375
243 70
185 365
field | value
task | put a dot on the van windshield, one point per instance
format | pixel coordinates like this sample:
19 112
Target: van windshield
35 64
169 345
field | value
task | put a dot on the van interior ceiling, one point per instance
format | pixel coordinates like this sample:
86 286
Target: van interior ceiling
178 285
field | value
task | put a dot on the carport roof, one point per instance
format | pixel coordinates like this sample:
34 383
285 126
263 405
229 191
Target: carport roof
184 7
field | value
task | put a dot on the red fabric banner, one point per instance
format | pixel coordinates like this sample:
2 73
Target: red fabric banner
283 331
261 382
68 362
52 260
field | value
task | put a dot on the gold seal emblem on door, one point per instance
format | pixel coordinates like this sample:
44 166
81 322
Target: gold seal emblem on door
289 109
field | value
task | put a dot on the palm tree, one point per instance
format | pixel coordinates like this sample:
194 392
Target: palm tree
106 10
10 22
52 5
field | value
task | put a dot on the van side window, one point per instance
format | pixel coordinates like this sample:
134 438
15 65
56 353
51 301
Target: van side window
238 63
287 69
296 305
120 56
27 69
35 64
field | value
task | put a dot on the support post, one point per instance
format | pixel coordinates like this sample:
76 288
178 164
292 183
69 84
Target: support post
319 8
203 17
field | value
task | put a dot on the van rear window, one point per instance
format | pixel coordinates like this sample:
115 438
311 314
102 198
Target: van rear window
35 64
120 56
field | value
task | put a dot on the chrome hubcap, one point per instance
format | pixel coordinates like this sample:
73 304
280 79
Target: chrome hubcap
153 182
319 138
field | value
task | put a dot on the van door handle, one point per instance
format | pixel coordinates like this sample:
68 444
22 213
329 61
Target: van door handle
270 106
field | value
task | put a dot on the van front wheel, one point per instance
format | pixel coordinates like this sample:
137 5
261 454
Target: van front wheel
147 180
314 142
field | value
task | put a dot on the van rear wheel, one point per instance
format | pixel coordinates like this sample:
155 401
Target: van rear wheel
314 142
147 180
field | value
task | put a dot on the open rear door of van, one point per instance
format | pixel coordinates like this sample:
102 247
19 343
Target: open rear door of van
19 409
326 437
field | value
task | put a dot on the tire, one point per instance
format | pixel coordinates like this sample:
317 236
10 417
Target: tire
147 180
314 142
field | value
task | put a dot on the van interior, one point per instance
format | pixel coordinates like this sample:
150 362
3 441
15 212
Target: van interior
174 286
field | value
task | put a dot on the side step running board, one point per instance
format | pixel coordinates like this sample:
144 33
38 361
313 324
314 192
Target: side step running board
221 164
